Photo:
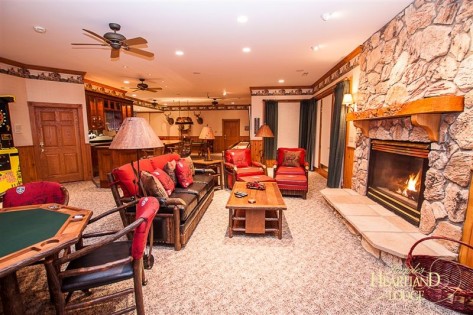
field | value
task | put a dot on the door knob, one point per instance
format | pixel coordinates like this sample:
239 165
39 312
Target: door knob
41 145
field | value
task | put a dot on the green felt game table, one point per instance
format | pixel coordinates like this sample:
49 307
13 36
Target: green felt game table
29 234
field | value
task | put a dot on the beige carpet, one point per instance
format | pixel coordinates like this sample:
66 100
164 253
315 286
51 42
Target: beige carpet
317 268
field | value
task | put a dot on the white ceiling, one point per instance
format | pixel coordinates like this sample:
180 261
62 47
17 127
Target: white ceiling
279 32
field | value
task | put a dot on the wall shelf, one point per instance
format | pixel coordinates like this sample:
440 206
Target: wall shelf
425 113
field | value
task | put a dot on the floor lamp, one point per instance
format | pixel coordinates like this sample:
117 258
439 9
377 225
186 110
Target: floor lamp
207 134
264 132
135 133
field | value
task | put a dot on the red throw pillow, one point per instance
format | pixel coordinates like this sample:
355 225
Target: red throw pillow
239 158
184 173
291 158
164 178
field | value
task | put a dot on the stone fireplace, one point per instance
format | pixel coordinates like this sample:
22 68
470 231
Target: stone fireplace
396 177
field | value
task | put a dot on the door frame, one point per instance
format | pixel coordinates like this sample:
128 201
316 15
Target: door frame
86 168
318 167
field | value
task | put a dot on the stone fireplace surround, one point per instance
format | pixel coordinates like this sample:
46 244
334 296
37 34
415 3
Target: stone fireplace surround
448 176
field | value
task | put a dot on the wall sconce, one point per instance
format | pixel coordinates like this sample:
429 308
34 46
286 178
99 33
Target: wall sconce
348 102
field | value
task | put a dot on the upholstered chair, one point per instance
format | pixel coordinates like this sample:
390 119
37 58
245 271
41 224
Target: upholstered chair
35 193
291 172
238 164
106 261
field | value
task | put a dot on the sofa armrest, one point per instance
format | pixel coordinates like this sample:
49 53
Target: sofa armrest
204 170
230 167
172 202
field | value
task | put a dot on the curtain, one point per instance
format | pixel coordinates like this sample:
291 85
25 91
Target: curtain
307 131
337 136
271 119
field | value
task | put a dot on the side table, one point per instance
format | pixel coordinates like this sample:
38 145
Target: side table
216 165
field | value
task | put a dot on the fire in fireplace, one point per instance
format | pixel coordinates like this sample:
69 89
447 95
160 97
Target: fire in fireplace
396 176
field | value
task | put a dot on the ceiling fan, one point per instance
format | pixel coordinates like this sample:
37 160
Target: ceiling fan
142 86
214 99
117 41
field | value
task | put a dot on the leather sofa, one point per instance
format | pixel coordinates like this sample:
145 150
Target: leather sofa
291 172
180 213
238 164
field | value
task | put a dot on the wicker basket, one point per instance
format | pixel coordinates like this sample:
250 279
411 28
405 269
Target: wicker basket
444 282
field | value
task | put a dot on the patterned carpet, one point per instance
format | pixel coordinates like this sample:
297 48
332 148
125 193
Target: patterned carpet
317 268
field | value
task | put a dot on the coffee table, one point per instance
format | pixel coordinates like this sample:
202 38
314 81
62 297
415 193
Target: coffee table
265 215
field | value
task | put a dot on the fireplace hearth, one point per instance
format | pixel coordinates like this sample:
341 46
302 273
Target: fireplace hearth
396 176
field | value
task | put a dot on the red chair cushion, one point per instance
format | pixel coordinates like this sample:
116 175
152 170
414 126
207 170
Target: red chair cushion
249 171
34 193
184 173
164 178
146 208
238 157
290 170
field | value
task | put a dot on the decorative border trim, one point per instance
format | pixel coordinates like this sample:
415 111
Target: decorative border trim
273 91
103 89
23 71
204 107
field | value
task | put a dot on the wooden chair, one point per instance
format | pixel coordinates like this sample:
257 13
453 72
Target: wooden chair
35 193
105 262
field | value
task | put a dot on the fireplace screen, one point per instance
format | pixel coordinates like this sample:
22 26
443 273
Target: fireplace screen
396 176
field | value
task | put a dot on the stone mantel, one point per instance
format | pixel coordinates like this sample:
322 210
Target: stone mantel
425 113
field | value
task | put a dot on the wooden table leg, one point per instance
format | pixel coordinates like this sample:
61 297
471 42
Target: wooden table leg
221 175
10 293
230 222
280 225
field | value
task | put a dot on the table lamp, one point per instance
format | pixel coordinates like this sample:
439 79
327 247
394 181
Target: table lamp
136 133
207 134
264 132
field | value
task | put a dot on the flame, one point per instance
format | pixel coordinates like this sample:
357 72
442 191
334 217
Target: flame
412 182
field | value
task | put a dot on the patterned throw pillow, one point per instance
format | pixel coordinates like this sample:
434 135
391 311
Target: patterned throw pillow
152 185
291 158
170 169
190 163
183 173
164 178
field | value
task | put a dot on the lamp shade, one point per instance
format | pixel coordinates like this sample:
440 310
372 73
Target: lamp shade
265 132
135 133
347 99
207 133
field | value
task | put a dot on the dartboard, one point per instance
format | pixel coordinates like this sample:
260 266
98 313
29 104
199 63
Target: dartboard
3 118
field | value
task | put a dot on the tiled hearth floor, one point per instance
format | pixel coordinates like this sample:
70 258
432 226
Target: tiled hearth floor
381 230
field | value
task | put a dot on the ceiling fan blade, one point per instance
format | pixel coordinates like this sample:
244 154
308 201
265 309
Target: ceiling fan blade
139 51
153 89
115 53
89 44
135 41
96 35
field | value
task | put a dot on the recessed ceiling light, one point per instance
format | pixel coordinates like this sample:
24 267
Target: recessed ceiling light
179 53
328 16
242 19
315 47
281 80
39 29
125 67
126 82
246 49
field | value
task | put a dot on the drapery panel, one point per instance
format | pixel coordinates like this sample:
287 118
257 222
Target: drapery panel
271 119
307 128
337 136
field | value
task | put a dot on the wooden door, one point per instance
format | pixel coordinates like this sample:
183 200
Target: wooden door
58 138
230 132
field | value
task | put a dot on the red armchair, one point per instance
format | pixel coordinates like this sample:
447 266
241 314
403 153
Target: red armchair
291 172
238 164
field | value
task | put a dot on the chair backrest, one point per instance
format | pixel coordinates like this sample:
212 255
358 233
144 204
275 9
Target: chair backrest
146 208
238 157
36 193
282 151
